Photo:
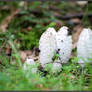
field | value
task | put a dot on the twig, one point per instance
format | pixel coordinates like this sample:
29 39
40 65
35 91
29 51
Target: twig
67 17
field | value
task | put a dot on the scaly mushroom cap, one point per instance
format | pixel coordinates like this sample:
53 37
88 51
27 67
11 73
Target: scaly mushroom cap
64 44
84 46
47 46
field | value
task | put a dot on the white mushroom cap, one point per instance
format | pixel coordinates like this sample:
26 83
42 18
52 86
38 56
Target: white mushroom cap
63 31
84 46
47 46
56 67
64 44
29 63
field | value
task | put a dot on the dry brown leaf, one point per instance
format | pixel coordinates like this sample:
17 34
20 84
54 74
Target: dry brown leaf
7 20
81 3
5 7
28 52
77 31
24 55
72 77
75 20
39 86
8 51
21 3
59 24
46 89
27 29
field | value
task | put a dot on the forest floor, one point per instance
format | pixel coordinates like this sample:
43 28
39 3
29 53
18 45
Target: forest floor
21 26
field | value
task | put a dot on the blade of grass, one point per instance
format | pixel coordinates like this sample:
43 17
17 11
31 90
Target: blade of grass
15 52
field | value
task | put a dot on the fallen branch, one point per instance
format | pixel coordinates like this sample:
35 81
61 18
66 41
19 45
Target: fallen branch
67 17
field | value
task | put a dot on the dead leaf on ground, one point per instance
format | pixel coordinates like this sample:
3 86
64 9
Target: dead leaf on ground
81 3
39 86
59 24
27 29
27 54
7 20
8 50
76 34
24 54
46 89
75 21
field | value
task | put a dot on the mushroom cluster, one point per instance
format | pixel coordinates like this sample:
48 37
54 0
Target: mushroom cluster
52 42
56 47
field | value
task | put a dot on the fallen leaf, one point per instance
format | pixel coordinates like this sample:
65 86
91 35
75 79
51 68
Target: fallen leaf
7 20
77 31
81 3
23 56
75 21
